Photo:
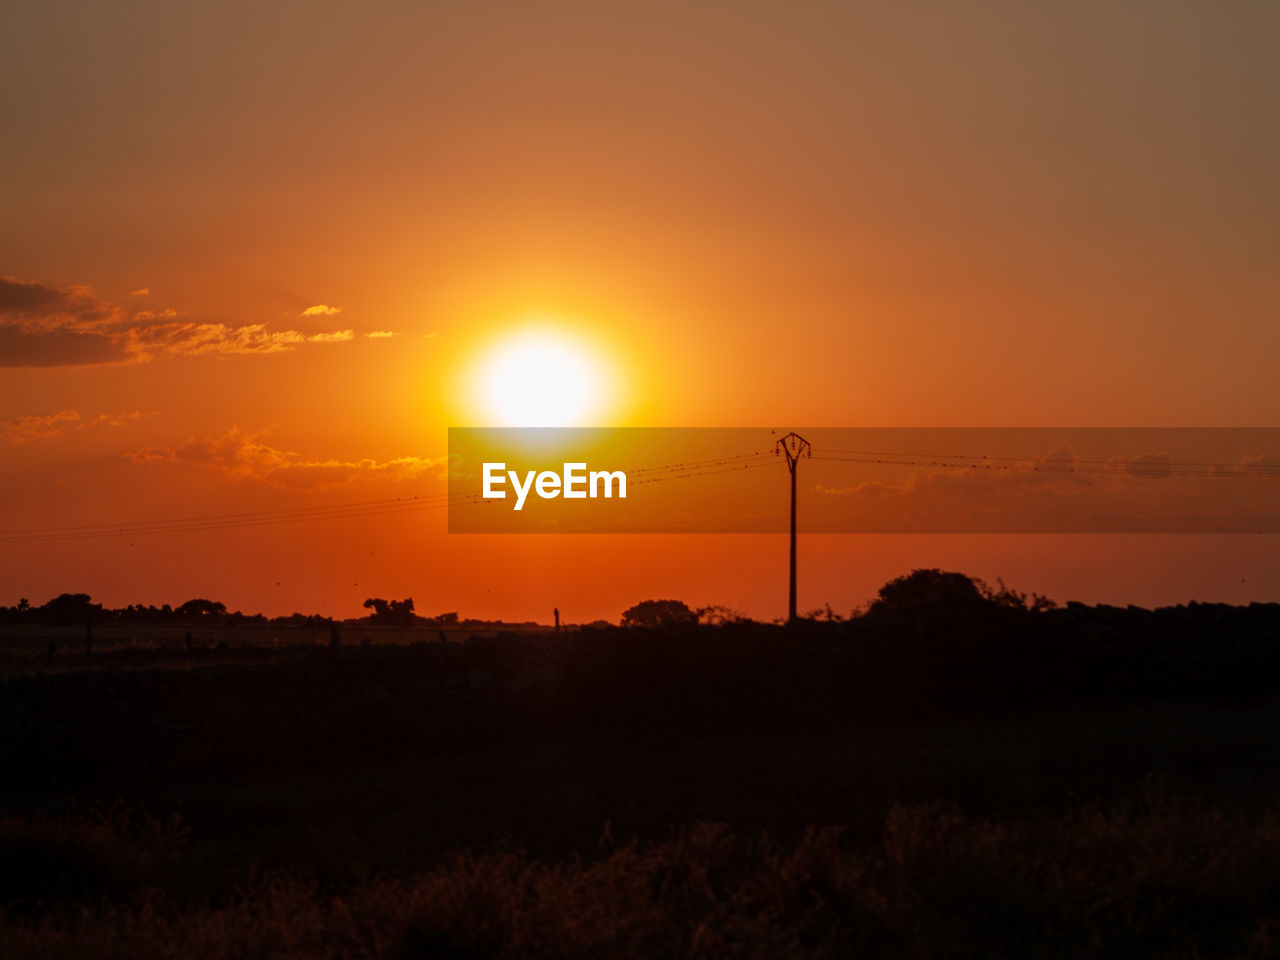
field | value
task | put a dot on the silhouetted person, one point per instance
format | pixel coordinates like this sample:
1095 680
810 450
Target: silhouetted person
335 636
441 632
556 611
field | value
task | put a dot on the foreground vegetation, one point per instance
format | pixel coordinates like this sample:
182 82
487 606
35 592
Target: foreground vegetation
1158 876
954 773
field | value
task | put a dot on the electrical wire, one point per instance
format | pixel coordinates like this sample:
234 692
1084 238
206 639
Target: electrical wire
639 476
343 511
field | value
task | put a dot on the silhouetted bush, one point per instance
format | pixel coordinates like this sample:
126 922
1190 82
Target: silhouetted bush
69 608
200 610
396 613
659 614
928 592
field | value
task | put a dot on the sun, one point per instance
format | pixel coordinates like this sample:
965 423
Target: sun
541 378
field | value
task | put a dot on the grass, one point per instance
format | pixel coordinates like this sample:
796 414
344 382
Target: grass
1156 875
1095 784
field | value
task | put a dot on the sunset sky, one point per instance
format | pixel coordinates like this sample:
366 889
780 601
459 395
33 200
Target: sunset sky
259 257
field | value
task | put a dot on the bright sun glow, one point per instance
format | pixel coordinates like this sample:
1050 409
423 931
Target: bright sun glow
541 379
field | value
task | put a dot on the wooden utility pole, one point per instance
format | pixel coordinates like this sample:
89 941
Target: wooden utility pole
793 447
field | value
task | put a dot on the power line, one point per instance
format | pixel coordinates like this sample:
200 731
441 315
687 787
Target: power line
1154 469
894 457
678 470
343 511
716 467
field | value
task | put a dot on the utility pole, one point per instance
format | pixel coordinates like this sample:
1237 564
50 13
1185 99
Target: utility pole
793 447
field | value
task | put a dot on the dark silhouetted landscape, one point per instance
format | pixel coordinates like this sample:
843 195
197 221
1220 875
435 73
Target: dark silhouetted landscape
955 771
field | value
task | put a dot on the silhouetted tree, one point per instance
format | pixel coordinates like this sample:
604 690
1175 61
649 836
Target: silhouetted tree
402 611
659 613
397 613
928 591
69 608
199 609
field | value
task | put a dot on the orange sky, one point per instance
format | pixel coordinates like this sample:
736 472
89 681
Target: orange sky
754 214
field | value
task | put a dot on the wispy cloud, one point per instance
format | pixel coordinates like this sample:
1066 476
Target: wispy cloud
202 339
1152 465
1057 492
119 419
245 455
1251 465
1056 467
47 426
320 310
45 326
141 292
381 334
25 429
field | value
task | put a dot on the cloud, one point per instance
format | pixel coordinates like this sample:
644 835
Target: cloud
120 419
24 429
200 339
1153 465
320 310
1056 492
141 292
244 455
1250 465
46 426
38 308
1058 468
381 334
57 348
45 326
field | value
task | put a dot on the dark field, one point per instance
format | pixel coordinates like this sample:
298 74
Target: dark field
946 783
